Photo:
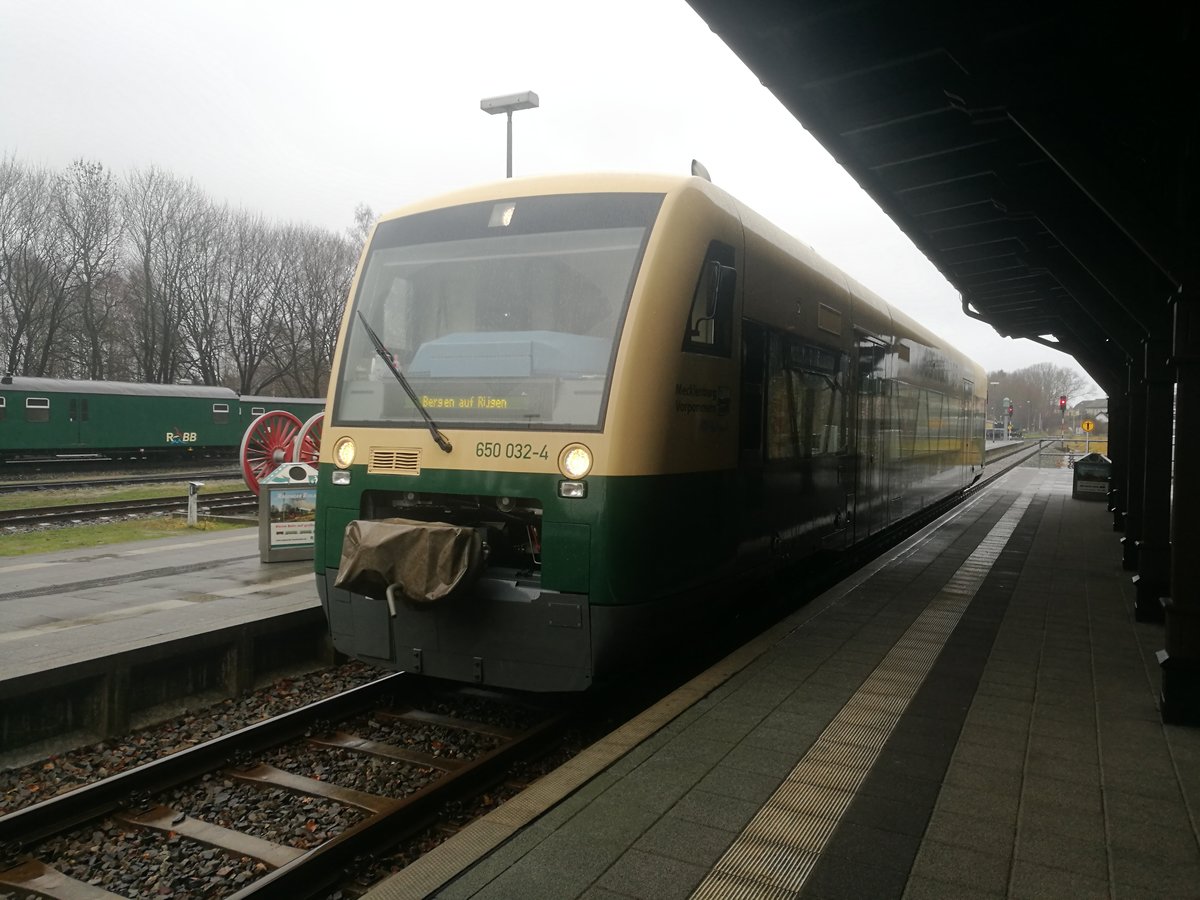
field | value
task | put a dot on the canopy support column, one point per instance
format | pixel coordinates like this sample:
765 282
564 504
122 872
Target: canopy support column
1153 581
1180 660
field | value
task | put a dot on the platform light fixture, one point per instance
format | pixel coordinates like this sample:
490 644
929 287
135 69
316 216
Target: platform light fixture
509 103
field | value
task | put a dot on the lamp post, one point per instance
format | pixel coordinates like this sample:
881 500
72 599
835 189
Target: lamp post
509 104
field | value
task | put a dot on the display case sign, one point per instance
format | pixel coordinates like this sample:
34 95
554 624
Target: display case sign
292 514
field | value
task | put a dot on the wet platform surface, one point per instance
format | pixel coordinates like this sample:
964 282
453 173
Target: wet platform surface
972 715
58 609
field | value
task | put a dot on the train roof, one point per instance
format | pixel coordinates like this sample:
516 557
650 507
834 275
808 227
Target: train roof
546 185
258 398
619 182
125 388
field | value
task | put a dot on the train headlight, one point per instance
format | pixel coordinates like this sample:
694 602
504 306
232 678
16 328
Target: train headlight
343 452
575 461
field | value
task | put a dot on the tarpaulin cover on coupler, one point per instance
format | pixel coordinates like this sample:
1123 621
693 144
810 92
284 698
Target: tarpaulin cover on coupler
425 561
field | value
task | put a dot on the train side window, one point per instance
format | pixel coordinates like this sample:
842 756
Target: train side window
37 409
806 412
257 410
220 413
826 429
2 405
710 321
83 410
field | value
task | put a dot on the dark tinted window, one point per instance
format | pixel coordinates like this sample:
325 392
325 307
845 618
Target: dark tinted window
37 409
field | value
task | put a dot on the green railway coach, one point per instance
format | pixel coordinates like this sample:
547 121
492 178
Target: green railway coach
43 417
53 416
571 414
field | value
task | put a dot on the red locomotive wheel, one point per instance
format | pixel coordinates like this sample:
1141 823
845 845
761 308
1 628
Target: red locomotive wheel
307 448
267 444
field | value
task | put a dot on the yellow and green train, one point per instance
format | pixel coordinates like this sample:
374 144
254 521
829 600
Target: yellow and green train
569 414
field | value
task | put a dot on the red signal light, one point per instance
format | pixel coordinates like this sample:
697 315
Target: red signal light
1062 402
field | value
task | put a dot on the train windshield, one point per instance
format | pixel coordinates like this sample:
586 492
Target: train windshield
500 314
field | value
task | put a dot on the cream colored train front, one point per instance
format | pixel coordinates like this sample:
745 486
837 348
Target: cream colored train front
570 415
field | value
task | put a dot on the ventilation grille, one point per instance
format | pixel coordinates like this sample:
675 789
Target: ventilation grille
395 461
829 319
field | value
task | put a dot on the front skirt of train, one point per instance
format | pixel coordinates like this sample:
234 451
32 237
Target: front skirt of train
421 597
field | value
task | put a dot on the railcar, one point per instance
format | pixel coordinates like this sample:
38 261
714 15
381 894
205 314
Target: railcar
568 414
64 417
302 408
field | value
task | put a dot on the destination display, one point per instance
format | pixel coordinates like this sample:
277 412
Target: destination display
455 399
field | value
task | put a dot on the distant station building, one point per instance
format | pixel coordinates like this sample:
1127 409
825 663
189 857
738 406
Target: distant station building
1094 410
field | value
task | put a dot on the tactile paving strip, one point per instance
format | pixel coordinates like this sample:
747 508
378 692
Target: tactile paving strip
776 852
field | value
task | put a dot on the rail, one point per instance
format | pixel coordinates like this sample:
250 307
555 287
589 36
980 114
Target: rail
290 872
16 487
223 501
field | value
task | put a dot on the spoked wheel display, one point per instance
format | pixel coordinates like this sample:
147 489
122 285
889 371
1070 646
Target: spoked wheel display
267 444
307 447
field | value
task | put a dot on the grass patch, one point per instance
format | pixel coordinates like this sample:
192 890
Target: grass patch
76 536
69 496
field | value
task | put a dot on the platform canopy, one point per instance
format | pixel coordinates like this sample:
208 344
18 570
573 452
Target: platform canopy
1042 155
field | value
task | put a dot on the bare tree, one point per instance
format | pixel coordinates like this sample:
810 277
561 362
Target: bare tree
203 274
327 265
145 210
286 336
11 181
364 220
249 303
34 272
146 279
87 210
162 216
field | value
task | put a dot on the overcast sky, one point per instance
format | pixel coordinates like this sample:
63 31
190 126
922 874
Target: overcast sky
301 110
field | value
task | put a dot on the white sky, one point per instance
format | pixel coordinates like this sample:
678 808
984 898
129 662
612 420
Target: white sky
301 110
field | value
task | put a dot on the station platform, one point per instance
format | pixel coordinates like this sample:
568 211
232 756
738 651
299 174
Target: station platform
58 610
972 715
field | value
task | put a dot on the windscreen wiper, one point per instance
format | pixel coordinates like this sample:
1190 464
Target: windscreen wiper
387 358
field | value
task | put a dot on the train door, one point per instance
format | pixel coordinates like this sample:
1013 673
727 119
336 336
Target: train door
77 417
870 489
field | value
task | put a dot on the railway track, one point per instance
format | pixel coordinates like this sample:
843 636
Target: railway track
226 502
14 487
393 721
100 465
